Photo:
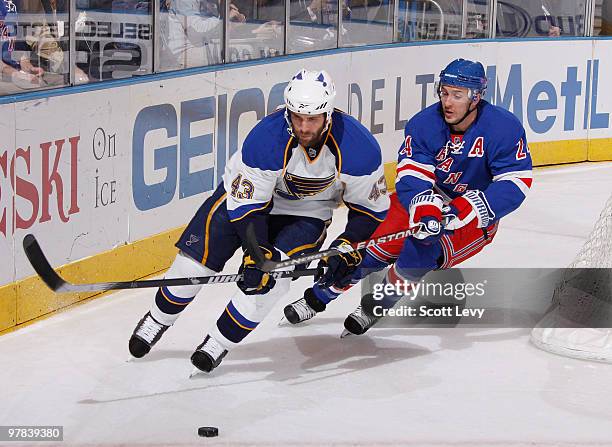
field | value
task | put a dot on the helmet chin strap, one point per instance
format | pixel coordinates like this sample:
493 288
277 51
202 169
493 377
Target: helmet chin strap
465 115
288 119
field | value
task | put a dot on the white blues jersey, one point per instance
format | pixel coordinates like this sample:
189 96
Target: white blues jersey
274 173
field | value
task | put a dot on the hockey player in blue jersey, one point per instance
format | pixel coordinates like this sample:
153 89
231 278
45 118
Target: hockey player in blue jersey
294 168
463 161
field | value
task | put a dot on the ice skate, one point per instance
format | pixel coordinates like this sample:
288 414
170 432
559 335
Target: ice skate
358 322
303 309
208 355
148 332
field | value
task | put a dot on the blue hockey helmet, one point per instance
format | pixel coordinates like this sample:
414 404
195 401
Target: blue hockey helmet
464 73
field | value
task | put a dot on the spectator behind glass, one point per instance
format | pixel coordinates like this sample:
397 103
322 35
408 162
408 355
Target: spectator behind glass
313 25
19 73
191 33
40 44
262 35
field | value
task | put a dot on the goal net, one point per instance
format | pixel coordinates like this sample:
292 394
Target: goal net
578 321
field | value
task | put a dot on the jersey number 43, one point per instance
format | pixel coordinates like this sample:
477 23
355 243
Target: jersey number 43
242 188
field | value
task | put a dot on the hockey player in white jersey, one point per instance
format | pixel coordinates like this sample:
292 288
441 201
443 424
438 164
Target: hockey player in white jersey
292 171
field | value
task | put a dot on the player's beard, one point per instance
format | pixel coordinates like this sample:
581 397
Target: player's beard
309 139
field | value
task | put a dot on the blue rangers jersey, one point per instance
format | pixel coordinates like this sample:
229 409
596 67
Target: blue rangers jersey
492 156
273 173
8 18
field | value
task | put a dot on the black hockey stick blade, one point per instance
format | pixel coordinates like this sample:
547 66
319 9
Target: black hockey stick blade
40 263
56 283
253 248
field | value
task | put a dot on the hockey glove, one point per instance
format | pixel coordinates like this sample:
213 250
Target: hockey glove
338 270
256 281
472 205
425 217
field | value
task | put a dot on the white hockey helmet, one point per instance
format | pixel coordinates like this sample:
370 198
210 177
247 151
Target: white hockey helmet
310 93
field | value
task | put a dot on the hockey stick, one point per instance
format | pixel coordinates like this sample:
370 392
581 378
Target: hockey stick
268 265
58 284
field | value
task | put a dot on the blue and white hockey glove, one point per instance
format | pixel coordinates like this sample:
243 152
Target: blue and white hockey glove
256 281
472 205
425 217
338 270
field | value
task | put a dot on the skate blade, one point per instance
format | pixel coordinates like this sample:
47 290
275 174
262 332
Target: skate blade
283 322
346 333
195 372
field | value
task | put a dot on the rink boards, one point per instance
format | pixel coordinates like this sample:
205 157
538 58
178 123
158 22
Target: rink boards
105 177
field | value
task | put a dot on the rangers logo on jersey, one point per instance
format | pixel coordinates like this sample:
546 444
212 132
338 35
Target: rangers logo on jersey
300 187
455 145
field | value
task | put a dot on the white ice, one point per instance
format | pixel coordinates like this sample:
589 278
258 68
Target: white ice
300 385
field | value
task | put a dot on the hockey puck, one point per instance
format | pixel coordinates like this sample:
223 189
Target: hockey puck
208 432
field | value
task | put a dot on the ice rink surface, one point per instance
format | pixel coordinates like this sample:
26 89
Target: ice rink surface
303 385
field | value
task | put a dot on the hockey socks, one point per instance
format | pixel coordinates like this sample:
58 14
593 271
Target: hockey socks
171 301
244 313
233 325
